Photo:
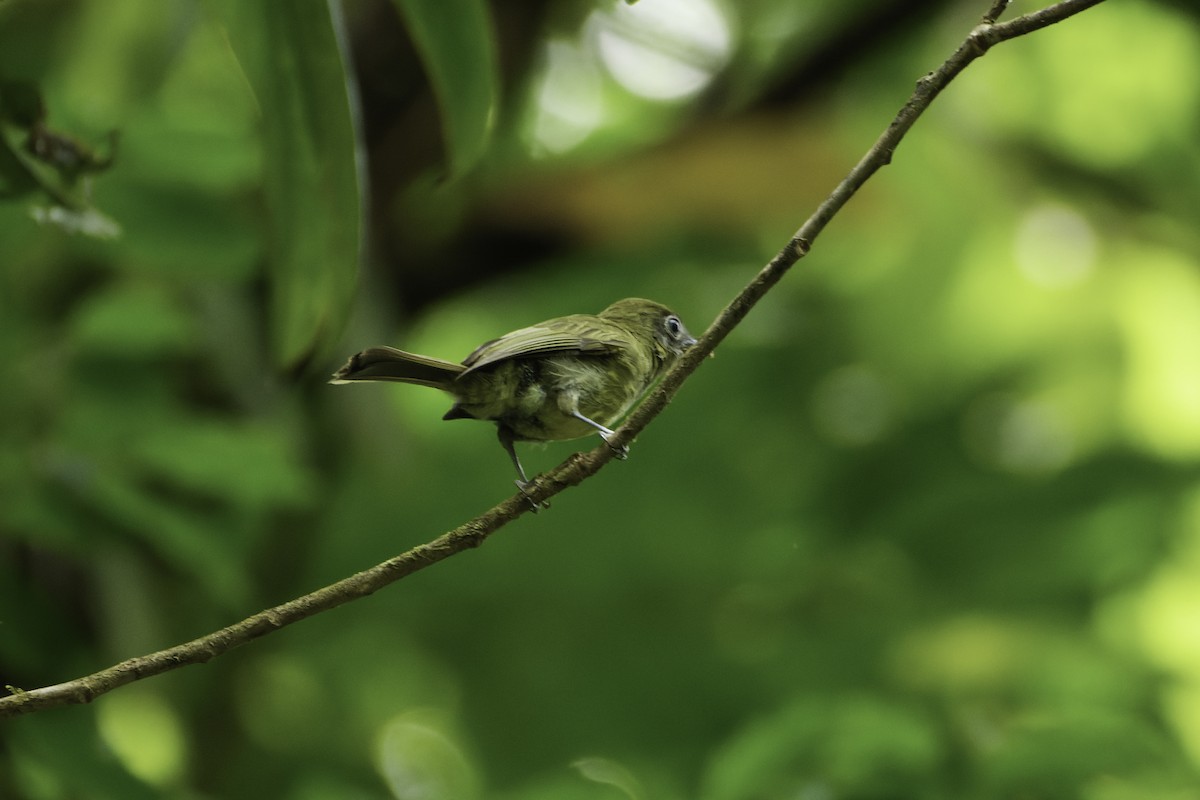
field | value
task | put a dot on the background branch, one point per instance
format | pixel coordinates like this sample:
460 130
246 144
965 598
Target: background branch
581 465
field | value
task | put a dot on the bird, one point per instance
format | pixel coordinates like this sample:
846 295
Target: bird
558 380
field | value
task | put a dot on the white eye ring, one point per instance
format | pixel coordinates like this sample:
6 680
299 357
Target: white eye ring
674 326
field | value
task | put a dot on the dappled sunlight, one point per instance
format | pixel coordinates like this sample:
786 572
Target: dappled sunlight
963 655
146 734
1162 619
996 312
1170 618
569 103
1157 300
665 50
1169 607
623 66
1119 115
1065 299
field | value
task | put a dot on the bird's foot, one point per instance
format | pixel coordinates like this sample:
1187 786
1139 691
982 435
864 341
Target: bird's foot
534 505
620 451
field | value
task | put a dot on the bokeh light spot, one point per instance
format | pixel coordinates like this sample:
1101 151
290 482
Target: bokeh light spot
568 97
145 734
1158 306
1024 437
665 49
1055 246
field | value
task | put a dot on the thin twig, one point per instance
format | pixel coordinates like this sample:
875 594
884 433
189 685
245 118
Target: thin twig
581 465
993 14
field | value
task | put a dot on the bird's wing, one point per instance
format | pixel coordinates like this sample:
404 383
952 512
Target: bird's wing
588 336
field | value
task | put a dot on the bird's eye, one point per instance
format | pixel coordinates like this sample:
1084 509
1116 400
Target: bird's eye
674 326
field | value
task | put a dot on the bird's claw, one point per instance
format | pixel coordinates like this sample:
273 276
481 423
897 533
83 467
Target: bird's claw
534 506
620 451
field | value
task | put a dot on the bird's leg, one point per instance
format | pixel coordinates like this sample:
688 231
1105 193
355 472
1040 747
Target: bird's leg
506 441
621 452
505 434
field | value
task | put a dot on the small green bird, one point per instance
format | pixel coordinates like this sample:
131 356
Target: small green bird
560 379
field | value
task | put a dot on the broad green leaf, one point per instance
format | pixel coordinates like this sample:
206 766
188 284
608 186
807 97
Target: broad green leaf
456 46
292 57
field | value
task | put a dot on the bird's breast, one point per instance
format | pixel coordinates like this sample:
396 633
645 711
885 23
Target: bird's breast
532 397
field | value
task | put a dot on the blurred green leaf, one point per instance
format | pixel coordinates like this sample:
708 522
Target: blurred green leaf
1058 755
852 746
456 46
419 761
187 541
610 773
292 57
197 457
132 321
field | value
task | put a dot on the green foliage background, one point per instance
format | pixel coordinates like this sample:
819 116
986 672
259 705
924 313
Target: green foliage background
928 526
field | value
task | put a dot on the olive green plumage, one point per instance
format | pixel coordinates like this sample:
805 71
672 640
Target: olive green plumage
560 379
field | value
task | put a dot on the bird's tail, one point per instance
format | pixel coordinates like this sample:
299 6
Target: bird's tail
390 364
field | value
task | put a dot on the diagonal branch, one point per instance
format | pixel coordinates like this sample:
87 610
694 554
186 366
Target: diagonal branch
581 465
